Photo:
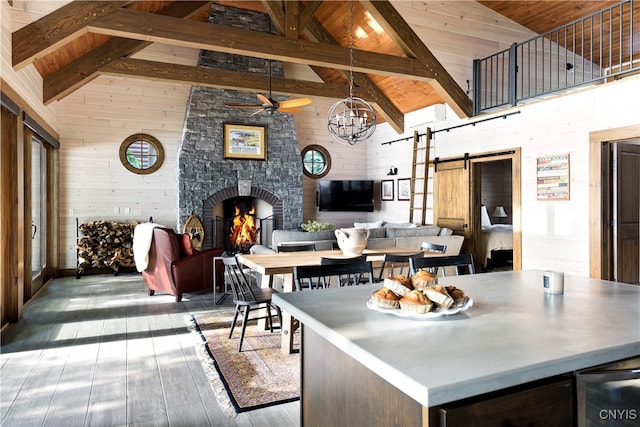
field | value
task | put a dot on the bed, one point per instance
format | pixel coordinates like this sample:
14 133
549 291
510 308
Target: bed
495 237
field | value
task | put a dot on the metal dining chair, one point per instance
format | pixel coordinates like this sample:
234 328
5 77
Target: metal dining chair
248 299
394 264
346 273
464 261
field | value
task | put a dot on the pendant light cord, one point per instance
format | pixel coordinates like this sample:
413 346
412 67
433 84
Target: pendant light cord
351 49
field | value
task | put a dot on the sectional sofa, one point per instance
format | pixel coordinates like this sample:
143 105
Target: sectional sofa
381 235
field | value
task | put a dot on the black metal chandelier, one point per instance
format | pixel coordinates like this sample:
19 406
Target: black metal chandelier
351 120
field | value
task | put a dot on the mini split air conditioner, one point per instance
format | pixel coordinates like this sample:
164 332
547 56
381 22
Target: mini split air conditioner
432 114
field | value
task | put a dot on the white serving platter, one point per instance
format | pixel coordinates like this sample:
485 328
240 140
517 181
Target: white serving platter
433 314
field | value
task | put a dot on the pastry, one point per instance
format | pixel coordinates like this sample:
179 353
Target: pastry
459 298
438 294
423 279
385 298
399 284
415 302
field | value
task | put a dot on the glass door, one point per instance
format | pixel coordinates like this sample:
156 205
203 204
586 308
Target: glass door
38 212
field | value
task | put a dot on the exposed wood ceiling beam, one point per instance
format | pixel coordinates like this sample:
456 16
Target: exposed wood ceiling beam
307 13
223 79
315 32
374 94
404 36
292 18
134 30
57 28
84 69
220 38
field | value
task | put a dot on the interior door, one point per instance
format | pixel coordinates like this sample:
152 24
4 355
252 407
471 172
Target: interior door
626 213
452 198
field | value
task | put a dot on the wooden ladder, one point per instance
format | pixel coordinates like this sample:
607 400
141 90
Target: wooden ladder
420 177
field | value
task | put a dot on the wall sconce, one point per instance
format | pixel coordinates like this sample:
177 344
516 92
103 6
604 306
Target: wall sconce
392 171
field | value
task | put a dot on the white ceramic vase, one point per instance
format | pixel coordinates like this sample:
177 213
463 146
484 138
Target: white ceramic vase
352 241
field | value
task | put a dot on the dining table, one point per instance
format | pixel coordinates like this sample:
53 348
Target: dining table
283 263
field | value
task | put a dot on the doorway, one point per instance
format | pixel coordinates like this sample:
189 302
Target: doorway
614 174
458 200
493 189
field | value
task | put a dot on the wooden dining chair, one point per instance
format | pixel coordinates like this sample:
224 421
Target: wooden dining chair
433 248
334 261
464 261
296 247
344 279
321 275
395 264
248 299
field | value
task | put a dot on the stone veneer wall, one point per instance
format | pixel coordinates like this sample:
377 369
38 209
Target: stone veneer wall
202 170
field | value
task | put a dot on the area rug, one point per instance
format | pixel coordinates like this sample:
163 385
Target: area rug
259 376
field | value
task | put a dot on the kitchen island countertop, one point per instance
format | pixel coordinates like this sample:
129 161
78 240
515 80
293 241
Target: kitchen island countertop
515 333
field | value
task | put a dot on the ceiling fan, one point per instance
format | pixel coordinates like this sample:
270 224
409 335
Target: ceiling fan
270 105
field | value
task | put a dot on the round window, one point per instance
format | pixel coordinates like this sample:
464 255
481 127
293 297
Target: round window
141 153
316 161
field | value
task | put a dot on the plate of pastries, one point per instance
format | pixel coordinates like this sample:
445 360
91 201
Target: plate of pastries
418 297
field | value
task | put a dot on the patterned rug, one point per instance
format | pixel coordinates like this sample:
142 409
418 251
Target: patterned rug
259 376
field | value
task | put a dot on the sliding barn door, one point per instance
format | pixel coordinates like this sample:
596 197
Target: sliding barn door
626 230
451 192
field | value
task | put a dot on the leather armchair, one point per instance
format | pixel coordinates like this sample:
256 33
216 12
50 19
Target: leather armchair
176 268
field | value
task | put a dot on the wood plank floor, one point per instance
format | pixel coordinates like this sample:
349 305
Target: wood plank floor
99 351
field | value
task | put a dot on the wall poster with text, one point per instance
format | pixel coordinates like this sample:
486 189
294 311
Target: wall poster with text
553 177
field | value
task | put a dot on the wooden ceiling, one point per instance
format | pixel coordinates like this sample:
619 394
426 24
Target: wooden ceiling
392 68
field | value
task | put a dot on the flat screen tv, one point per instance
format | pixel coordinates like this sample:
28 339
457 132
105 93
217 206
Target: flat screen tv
345 195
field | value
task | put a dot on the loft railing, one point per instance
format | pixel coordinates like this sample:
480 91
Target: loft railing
601 46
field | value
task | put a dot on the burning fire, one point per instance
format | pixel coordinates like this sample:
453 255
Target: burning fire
243 229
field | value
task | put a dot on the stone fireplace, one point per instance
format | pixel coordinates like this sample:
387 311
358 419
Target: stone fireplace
206 178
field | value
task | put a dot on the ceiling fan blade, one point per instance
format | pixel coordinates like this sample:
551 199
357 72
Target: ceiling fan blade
258 112
243 105
289 110
264 99
292 103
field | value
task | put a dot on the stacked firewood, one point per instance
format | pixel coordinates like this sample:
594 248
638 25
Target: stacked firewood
106 244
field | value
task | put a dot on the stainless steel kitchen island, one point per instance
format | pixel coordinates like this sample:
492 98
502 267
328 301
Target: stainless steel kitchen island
361 366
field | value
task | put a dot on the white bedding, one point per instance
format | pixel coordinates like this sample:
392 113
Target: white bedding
496 237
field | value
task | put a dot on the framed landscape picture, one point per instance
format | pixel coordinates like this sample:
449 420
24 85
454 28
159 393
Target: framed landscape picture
386 189
404 189
245 141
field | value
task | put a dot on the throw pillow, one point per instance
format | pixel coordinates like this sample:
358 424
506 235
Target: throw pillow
376 224
186 247
399 225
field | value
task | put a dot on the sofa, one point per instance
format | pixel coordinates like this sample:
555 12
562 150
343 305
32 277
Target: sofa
174 267
381 235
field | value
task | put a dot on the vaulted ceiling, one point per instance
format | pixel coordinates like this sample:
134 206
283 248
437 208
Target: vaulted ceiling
392 67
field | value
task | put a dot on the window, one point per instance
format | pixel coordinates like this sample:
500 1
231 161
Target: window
141 153
316 161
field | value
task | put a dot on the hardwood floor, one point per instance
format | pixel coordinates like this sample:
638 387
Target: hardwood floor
99 351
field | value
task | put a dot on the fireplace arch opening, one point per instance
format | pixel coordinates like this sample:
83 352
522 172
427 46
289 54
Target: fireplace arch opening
236 222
